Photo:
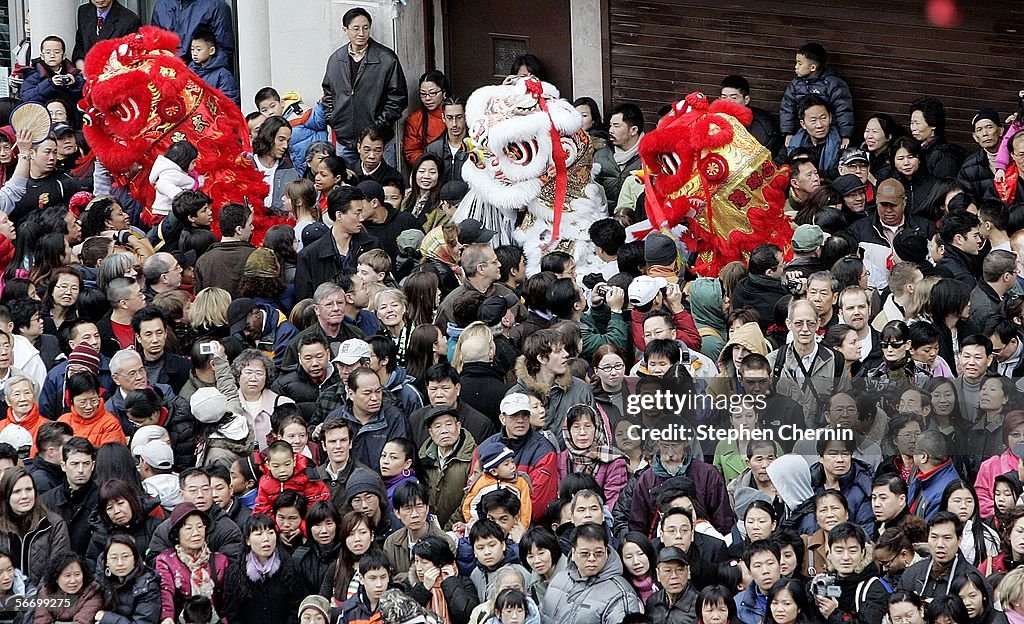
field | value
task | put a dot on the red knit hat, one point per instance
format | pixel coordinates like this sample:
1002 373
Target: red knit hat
85 357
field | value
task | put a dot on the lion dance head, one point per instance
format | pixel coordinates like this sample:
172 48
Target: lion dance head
704 171
140 98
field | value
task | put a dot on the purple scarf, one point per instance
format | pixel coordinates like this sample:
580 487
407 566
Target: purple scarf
257 571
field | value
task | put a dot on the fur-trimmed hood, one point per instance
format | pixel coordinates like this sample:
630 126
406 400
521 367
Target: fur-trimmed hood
528 381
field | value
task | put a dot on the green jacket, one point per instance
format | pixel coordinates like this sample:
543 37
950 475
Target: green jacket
447 482
601 327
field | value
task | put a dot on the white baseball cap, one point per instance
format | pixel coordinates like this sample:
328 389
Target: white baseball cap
515 403
644 289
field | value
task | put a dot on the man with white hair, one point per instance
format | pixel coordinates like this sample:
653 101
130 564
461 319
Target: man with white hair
162 273
129 373
329 302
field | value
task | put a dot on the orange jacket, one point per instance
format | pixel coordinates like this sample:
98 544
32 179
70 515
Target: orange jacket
103 427
414 142
32 422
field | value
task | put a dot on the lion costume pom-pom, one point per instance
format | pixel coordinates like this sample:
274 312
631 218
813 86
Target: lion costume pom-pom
705 172
140 98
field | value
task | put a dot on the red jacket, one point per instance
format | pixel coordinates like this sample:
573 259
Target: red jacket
686 330
303 481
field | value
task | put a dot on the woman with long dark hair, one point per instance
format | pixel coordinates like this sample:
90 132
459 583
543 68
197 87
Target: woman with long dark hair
264 586
425 124
131 590
593 123
424 188
121 513
976 595
270 157
60 302
897 371
542 556
314 558
879 133
638 562
423 297
427 346
342 580
979 541
950 305
910 169
788 602
52 252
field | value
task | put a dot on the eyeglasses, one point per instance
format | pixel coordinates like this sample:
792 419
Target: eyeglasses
885 564
804 323
93 402
893 345
611 367
591 556
434 93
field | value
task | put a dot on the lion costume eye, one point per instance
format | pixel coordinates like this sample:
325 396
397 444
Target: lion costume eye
670 163
521 152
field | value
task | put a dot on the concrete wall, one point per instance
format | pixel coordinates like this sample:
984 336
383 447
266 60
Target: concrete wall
587 59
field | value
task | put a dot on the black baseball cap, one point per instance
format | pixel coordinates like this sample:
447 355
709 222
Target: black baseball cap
472 231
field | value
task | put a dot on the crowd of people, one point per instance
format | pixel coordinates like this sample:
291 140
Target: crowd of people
377 415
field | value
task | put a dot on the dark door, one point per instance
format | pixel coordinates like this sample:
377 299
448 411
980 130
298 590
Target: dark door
482 39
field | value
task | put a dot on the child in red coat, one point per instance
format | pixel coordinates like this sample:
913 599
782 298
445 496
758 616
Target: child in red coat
287 471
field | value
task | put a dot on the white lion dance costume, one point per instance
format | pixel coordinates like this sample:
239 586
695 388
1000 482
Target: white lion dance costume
528 152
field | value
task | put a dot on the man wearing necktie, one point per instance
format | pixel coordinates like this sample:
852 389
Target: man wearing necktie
99 20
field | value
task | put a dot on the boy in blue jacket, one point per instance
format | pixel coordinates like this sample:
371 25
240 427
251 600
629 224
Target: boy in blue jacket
814 77
211 66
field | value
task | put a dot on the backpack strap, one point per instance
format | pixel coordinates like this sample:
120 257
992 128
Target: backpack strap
708 332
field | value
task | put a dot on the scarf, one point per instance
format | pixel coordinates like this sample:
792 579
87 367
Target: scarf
200 581
644 587
829 153
257 571
1012 616
438 604
661 471
588 460
622 156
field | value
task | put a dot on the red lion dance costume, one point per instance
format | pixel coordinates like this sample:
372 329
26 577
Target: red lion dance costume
704 171
140 98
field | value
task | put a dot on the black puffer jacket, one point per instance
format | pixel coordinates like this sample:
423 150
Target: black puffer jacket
943 158
976 175
271 600
312 561
141 531
135 601
918 187
761 293
377 97
79 510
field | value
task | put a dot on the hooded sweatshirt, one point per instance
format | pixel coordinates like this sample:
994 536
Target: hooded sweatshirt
709 315
750 337
791 477
169 180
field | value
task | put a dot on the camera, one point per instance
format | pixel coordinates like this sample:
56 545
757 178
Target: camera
601 291
207 348
825 585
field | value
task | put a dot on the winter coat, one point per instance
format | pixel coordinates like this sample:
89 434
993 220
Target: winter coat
79 510
925 489
120 22
918 188
224 537
825 380
376 97
601 326
169 180
45 475
355 610
83 607
414 142
175 587
222 266
101 428
976 175
919 577
987 473
606 597
402 385
300 387
877 248
827 84
304 480
453 163
483 387
686 331
321 262
611 175
960 264
943 158
682 611
39 88
761 293
749 337
864 598
611 476
175 417
748 611
33 551
215 73
480 577
368 439
709 315
710 490
855 486
283 174
136 600
447 479
386 232
185 17
473 423
536 457
396 547
141 530
558 398
308 128
312 561
459 595
271 600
